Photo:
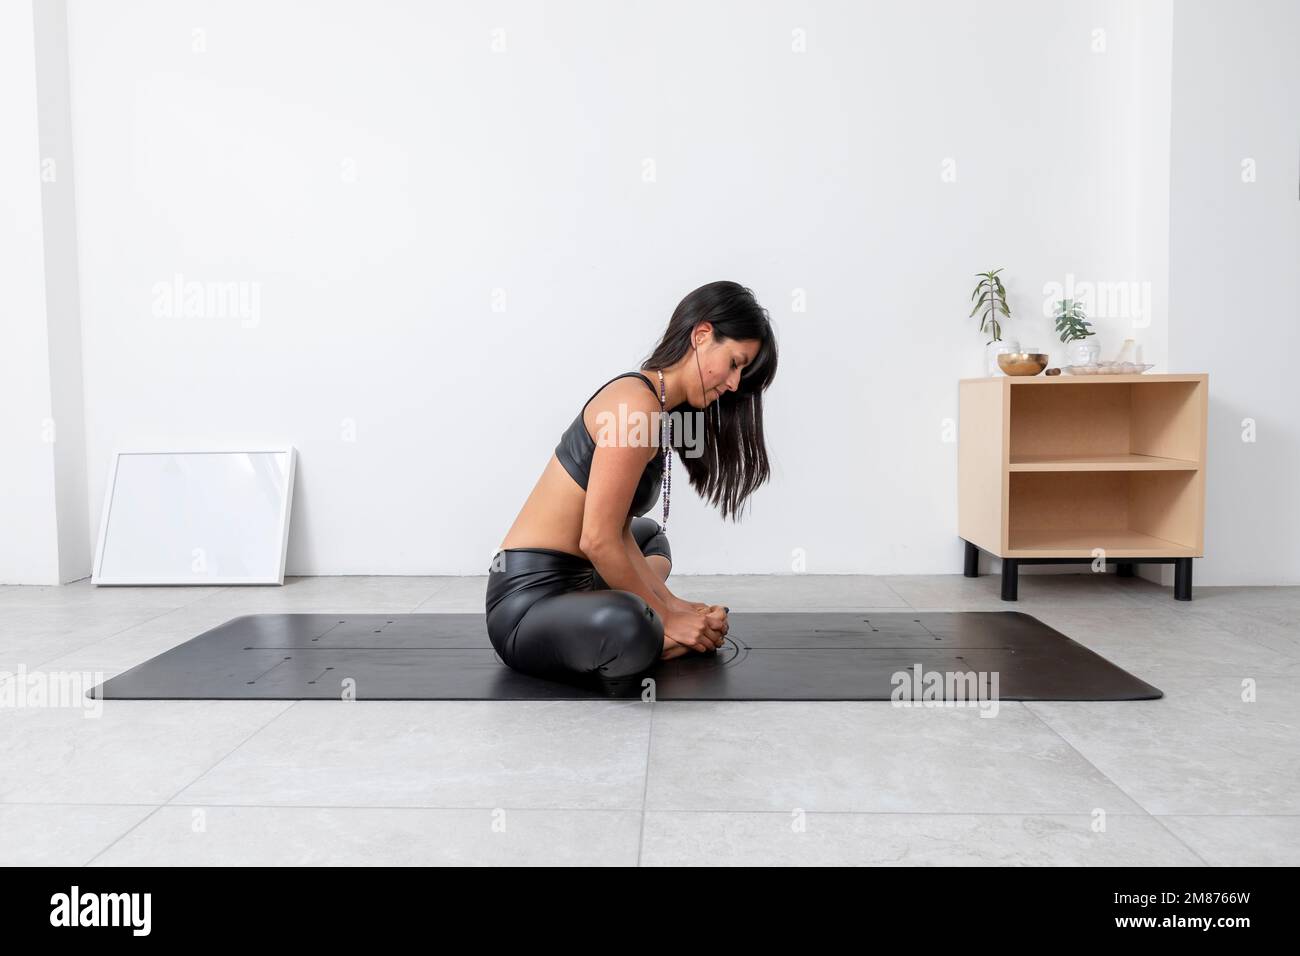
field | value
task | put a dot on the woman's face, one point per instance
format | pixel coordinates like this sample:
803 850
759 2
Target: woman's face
721 363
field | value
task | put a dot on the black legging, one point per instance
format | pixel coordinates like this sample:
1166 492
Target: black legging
550 614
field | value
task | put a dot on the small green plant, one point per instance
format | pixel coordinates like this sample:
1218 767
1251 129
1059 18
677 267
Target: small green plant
1071 321
991 299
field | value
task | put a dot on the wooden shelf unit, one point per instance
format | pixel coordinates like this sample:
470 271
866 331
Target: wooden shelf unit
1051 468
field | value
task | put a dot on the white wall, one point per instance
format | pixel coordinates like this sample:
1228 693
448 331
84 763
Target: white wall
1235 259
371 174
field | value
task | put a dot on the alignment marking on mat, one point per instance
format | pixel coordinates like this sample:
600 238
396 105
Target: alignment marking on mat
842 632
917 620
901 647
269 669
320 675
473 646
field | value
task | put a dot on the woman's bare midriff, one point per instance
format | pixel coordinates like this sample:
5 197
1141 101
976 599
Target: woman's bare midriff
552 515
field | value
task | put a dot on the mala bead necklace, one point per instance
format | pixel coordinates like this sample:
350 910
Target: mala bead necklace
668 447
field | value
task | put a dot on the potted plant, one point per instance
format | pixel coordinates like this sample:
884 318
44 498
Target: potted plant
1072 322
990 299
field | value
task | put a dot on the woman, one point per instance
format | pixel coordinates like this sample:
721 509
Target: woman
577 591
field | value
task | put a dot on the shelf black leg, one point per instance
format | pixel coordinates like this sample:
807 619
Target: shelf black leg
1182 579
1125 569
972 561
1010 578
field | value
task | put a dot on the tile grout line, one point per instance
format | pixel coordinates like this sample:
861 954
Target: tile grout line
1145 812
205 597
201 775
634 809
906 603
1190 849
645 786
109 637
442 588
122 836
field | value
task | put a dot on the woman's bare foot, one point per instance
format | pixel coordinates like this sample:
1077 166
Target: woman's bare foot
673 649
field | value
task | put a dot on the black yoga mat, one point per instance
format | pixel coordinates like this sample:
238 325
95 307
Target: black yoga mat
793 655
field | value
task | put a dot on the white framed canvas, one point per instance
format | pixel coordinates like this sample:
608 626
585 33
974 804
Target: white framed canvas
201 516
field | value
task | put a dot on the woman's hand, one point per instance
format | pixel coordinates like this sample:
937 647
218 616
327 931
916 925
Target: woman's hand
716 616
696 626
677 604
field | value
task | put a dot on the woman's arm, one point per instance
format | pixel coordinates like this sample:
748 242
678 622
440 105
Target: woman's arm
619 572
616 467
647 573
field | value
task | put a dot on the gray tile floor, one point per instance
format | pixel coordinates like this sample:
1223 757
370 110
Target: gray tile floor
1208 775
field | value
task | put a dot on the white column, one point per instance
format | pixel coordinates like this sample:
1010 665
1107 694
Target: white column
44 531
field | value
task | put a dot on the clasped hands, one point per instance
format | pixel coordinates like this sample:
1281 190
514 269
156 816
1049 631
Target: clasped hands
693 626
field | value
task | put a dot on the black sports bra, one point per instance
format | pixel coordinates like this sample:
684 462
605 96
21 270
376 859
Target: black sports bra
576 449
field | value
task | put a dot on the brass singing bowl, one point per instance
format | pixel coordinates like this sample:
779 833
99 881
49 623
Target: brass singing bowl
1022 363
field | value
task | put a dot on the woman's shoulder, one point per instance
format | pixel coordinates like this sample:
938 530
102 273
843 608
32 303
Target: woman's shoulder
633 388
624 401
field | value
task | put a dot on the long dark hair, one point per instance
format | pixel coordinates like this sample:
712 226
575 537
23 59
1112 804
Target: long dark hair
734 460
